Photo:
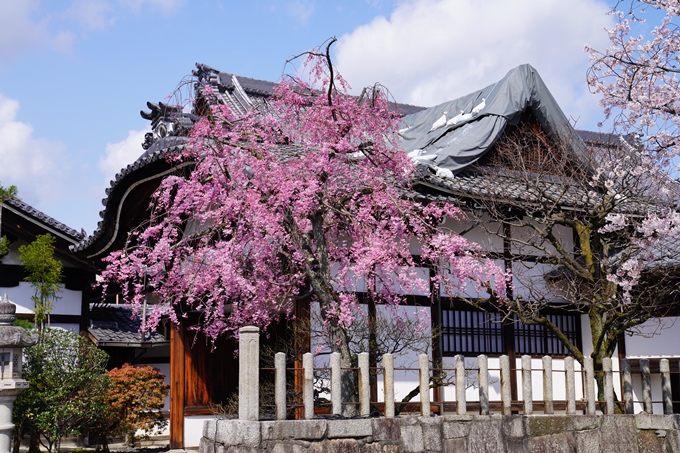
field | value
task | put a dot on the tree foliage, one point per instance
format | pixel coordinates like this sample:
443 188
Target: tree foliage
591 234
44 275
67 378
638 77
313 192
133 402
6 193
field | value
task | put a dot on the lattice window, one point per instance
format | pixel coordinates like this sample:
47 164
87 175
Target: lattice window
537 340
472 332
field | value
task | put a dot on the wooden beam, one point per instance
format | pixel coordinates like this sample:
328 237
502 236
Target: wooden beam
301 345
177 386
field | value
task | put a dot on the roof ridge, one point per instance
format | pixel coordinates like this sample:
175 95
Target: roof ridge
41 216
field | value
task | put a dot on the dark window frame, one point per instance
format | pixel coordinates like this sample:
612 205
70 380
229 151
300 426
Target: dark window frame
471 332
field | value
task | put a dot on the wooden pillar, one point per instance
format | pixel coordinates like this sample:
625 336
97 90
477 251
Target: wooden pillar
177 386
437 345
372 347
301 345
509 326
86 293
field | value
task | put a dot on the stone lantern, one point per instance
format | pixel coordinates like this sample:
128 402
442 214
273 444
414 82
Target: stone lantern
12 340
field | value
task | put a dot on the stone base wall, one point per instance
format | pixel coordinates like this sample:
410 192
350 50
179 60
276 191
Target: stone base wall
478 434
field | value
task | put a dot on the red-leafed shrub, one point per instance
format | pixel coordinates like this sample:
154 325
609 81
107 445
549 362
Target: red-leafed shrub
135 399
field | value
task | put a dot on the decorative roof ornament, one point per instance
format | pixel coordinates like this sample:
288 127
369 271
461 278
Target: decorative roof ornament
12 336
7 311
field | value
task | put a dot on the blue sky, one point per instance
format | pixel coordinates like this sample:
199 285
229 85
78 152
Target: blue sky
75 73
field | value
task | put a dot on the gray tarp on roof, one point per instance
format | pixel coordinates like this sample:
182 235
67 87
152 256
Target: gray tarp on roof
455 146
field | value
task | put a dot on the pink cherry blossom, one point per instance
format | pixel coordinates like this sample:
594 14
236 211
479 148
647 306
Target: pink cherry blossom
313 194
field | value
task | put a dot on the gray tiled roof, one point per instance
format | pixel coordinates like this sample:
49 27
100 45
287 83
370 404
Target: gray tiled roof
485 183
495 184
113 325
244 93
265 88
223 85
41 217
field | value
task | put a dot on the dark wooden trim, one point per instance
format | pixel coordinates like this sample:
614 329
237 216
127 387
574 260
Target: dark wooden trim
85 307
11 275
437 343
153 360
372 343
301 345
516 406
75 279
411 300
61 319
177 386
198 410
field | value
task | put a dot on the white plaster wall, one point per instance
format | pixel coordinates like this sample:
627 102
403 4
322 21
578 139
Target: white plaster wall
559 379
472 379
470 291
68 304
472 390
66 326
193 429
165 369
478 234
586 336
655 338
638 406
529 282
527 234
404 380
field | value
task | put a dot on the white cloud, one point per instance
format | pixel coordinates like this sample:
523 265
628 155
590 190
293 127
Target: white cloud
301 10
430 51
38 167
121 154
21 33
164 6
26 26
92 14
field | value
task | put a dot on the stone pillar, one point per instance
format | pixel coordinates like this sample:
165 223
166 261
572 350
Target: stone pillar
646 385
336 383
424 365
461 402
364 385
527 389
12 341
249 373
627 386
547 385
388 384
506 389
590 385
308 385
483 381
665 369
571 385
608 385
280 389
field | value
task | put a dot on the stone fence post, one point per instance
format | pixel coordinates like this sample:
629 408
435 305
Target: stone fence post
248 373
424 365
280 385
388 385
